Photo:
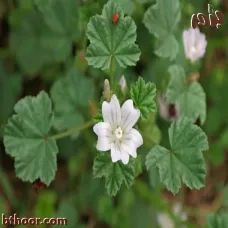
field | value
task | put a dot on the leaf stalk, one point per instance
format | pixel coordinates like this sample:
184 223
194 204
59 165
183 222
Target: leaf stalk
71 131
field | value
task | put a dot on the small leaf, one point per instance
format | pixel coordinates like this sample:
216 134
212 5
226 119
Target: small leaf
190 99
26 139
185 160
70 94
113 180
114 173
143 95
112 41
101 165
161 20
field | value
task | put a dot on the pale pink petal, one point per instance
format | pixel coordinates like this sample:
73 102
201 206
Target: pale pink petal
125 157
115 152
111 111
135 137
102 129
103 143
128 146
129 115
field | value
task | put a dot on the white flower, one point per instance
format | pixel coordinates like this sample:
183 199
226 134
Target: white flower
123 83
165 221
116 132
194 44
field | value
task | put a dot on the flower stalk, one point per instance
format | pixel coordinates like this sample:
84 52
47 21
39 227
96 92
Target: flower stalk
72 130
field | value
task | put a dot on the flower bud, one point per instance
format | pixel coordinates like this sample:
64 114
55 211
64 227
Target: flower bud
195 77
123 84
107 91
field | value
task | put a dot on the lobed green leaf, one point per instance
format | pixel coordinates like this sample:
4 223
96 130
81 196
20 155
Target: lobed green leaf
184 161
161 19
115 173
143 95
190 99
26 139
111 41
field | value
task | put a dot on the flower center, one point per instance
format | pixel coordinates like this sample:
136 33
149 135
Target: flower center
118 133
193 50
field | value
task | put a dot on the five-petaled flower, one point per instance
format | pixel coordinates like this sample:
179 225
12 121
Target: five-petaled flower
116 132
195 44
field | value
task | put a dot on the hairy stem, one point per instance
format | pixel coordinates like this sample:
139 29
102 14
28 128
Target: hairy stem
112 75
72 130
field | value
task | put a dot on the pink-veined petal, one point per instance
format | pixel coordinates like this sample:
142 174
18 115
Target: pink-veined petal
136 137
115 152
127 146
125 157
103 143
129 115
111 111
102 129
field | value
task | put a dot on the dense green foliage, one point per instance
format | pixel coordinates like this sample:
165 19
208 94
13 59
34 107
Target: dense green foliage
54 58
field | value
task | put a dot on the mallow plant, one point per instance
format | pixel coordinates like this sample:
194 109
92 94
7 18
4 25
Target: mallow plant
124 120
28 134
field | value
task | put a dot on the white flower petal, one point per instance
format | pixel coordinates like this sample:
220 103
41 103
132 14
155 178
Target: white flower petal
102 129
111 111
136 137
115 152
129 115
125 157
129 147
103 143
131 141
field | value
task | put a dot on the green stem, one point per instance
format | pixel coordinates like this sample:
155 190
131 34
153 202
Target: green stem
72 130
112 74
